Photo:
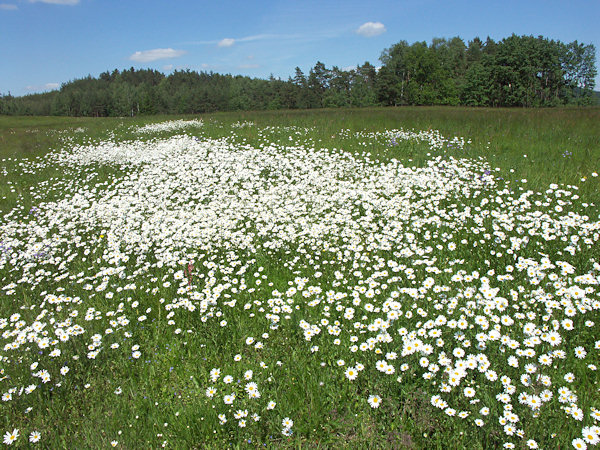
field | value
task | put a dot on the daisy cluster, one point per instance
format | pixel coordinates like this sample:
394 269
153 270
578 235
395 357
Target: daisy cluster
169 126
244 124
442 277
432 138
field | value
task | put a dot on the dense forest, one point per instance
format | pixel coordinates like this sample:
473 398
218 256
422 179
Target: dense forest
522 71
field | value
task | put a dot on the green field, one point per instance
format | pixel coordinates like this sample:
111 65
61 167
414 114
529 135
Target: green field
394 278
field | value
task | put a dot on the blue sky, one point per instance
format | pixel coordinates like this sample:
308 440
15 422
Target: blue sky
44 43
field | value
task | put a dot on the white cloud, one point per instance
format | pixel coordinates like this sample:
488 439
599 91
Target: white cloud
227 42
371 29
43 87
8 7
168 67
156 54
56 2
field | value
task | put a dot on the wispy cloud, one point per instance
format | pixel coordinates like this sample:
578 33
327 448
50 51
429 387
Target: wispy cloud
227 42
156 54
371 29
43 87
262 37
56 2
8 7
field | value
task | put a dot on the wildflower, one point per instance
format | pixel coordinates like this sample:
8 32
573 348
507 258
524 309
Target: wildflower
287 423
351 373
569 377
10 437
374 401
215 374
469 392
35 436
591 435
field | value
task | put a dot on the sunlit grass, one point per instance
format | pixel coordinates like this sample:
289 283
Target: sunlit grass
346 270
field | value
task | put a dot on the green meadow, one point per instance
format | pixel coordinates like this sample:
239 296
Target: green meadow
419 277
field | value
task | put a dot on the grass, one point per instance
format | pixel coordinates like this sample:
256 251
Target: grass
159 396
502 136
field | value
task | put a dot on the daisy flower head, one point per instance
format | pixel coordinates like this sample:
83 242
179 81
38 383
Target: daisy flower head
210 392
590 435
569 377
35 436
351 373
287 423
11 436
374 401
215 374
469 392
531 443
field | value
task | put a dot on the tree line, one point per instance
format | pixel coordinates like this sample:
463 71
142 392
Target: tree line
523 71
